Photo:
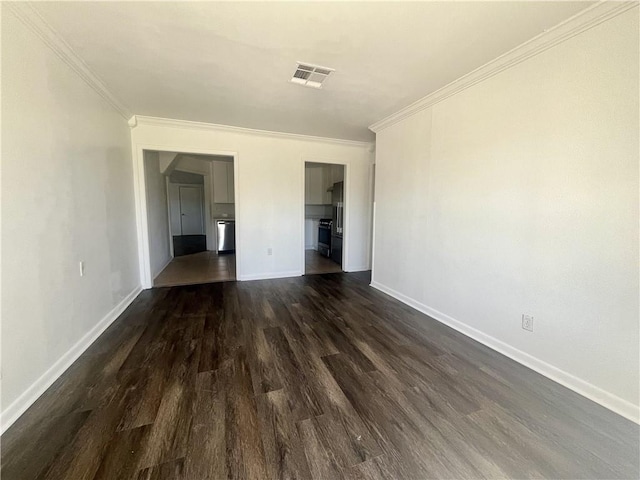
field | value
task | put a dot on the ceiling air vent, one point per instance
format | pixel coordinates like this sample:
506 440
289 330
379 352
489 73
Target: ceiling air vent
310 75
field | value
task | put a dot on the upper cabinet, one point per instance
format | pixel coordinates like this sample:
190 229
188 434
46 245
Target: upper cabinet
318 182
326 184
223 188
337 174
314 186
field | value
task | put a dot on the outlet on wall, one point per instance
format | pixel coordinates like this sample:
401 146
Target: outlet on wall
527 322
269 251
81 268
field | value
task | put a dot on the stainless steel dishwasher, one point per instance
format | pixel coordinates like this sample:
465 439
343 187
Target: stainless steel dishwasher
226 230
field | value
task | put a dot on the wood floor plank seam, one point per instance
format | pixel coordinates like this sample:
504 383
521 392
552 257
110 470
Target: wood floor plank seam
319 377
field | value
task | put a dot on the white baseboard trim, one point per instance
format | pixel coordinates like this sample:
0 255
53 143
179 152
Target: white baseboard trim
37 388
360 268
267 276
584 388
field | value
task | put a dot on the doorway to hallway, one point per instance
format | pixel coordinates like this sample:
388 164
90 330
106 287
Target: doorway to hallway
188 197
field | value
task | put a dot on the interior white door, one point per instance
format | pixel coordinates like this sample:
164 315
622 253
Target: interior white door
191 211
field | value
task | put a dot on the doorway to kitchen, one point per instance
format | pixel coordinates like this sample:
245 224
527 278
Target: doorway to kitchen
324 198
190 217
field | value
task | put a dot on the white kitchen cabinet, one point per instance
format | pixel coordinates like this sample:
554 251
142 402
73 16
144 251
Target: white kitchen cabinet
314 186
223 188
318 181
337 173
326 184
332 174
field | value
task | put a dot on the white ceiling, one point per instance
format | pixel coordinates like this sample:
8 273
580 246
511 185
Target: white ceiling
230 62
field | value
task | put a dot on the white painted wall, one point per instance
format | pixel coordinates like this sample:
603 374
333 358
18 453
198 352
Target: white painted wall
520 195
157 214
168 161
269 191
67 196
194 165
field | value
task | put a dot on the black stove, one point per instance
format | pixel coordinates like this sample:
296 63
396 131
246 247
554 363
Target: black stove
324 236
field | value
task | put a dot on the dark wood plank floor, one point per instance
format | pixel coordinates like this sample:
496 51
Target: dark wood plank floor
314 263
319 377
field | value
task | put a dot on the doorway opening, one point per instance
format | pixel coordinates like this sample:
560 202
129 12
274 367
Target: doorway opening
324 198
190 217
186 213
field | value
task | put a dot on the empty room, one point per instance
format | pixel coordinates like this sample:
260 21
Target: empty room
320 240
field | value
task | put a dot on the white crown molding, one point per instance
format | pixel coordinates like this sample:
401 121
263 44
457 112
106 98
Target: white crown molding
189 125
29 15
584 20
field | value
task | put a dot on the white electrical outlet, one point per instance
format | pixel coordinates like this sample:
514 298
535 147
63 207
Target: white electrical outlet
527 322
269 251
81 268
